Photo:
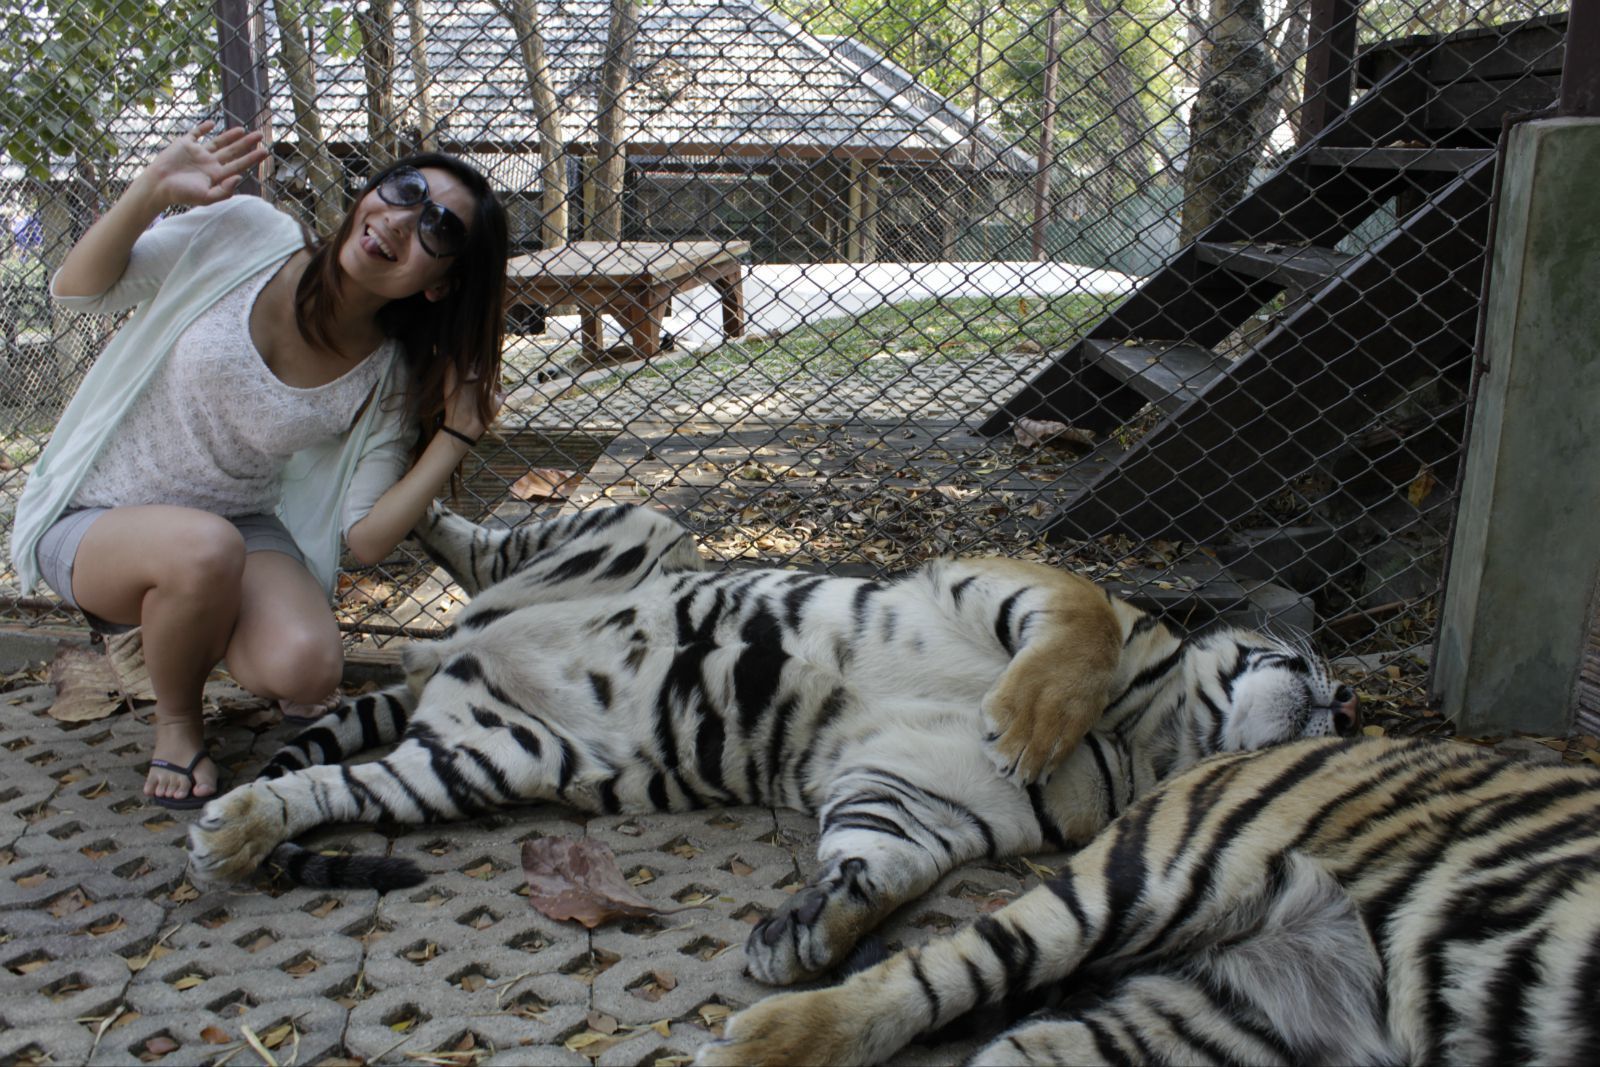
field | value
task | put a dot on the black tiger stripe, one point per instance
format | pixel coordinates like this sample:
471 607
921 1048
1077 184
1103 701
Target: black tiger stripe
1214 1052
1107 1046
657 792
777 739
501 784
980 987
830 709
1155 672
1103 769
1142 625
609 802
1231 829
759 666
1002 622
626 562
854 804
465 668
576 566
920 792
865 820
477 620
1212 741
1226 1000
1049 829
1509 1018
935 1004
1581 1016
710 742
865 591
1014 947
794 601
959 589
600 684
622 619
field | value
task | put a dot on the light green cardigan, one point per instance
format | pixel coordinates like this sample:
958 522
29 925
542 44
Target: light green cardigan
180 267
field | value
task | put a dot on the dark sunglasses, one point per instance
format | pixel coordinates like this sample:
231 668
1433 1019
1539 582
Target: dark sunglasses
440 230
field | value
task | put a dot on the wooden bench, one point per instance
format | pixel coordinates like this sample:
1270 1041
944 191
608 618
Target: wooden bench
632 281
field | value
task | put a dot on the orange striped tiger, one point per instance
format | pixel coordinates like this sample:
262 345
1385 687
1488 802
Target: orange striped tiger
1341 902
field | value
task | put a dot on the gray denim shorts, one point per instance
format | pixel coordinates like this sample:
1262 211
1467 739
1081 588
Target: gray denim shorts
58 548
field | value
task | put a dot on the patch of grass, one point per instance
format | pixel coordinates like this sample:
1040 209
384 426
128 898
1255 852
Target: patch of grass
916 332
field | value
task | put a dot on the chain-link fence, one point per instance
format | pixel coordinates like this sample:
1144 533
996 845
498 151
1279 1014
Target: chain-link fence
1180 294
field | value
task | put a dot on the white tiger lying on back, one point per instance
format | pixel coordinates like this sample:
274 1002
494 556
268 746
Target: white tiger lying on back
598 666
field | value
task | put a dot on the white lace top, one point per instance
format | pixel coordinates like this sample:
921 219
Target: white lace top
215 426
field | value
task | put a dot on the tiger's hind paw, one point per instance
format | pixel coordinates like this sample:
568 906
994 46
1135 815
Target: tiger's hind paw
234 835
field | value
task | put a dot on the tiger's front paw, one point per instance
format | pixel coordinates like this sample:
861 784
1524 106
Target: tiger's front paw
809 1028
234 835
815 928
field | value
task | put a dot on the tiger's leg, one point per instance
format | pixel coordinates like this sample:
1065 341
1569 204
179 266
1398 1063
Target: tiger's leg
1065 642
887 837
356 725
421 781
478 558
1152 883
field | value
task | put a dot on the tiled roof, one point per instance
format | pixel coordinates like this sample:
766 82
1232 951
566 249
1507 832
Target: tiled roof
710 78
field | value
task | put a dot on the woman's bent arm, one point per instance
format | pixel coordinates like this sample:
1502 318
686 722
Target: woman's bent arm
185 172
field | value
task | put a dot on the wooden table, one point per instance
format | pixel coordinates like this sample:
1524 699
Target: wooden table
633 281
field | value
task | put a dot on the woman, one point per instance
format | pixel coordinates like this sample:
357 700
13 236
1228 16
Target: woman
271 396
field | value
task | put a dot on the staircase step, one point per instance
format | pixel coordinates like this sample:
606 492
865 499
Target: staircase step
1449 160
1167 373
1302 266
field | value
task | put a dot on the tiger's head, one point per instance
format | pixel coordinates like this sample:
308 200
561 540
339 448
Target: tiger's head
1272 691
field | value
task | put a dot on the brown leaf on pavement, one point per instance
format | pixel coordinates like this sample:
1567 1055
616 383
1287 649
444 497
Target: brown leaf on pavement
86 688
578 878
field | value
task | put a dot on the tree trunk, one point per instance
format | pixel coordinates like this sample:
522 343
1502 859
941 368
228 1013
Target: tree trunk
547 113
1225 126
322 173
606 178
377 64
427 125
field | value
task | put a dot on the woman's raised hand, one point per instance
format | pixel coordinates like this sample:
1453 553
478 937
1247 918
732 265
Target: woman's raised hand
194 171
461 407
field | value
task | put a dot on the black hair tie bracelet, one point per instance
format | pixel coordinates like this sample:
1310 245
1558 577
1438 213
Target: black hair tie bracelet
472 442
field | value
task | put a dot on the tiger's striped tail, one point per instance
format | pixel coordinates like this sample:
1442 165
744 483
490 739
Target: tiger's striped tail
317 870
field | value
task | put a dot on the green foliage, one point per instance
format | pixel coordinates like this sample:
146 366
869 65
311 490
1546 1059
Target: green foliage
940 43
70 69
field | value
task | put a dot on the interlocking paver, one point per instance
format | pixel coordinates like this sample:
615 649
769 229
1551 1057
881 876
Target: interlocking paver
98 922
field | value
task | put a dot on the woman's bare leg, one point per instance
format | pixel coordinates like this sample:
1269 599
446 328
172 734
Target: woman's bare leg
177 573
285 645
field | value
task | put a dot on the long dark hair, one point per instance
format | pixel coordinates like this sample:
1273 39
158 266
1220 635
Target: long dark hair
465 328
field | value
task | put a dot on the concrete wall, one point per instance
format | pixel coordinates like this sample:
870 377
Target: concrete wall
1519 600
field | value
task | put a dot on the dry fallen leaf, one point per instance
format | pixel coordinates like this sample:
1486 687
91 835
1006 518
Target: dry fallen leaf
578 878
1034 433
215 1035
86 688
543 483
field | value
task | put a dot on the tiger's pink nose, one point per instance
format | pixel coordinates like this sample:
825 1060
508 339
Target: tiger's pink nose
1346 711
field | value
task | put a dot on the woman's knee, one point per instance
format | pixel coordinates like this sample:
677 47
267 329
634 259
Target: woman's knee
205 556
301 664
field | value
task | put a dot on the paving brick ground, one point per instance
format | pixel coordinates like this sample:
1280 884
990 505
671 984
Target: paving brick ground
109 955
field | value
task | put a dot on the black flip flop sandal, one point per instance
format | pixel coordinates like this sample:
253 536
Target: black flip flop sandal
190 802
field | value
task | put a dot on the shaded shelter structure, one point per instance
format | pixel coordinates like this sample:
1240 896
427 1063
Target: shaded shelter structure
740 125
